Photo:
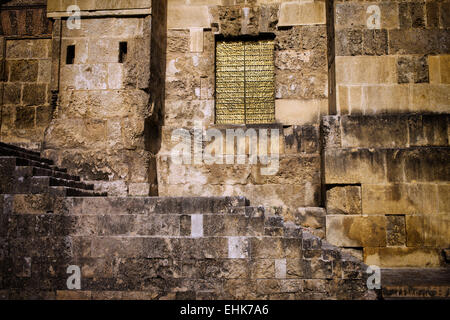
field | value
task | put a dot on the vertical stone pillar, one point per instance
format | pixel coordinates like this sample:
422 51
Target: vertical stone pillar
2 77
56 60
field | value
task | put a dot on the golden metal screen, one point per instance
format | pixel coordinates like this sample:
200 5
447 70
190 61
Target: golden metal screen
245 91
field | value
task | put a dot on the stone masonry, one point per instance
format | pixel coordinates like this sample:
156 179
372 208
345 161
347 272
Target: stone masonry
361 138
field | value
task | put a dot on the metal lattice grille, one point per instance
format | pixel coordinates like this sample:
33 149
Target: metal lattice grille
245 91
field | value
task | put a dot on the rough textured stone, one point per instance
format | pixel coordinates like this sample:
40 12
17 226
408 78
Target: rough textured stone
412 70
356 231
344 200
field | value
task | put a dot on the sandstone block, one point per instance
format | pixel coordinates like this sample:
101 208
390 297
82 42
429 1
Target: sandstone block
399 199
11 93
402 257
384 99
303 13
310 217
344 200
374 132
365 69
412 69
299 112
185 17
356 231
375 42
428 130
396 230
26 49
25 118
22 70
413 41
34 94
350 166
427 231
349 42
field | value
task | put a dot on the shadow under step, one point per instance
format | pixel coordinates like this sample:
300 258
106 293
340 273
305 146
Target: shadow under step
42 172
45 181
9 152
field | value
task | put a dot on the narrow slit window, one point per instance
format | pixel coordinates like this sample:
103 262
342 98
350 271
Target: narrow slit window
70 55
123 50
245 89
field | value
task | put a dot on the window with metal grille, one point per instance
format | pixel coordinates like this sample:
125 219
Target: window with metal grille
245 91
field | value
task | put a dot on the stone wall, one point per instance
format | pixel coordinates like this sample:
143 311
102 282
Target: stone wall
387 180
25 51
166 248
398 63
301 92
101 125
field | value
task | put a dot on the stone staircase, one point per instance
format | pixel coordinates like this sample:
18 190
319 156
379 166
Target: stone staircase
23 171
168 248
155 247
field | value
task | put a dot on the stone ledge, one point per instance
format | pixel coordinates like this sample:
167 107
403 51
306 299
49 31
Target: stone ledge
103 13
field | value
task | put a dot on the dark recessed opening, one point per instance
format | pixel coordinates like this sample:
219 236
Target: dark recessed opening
70 57
123 49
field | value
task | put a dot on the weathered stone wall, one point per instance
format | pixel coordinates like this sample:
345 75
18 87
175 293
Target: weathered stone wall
301 92
387 180
25 51
398 65
166 248
100 128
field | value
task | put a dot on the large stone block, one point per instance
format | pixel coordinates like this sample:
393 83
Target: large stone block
428 130
303 86
385 99
412 69
27 49
355 15
84 77
396 230
374 131
414 41
302 38
349 42
302 13
399 199
344 200
90 134
402 257
427 164
22 70
300 112
12 93
186 17
428 231
375 42
370 70
34 94
353 166
356 231
123 28
25 118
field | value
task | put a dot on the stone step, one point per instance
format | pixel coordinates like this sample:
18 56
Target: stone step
46 181
22 162
41 172
218 254
75 192
7 151
415 283
153 205
22 150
